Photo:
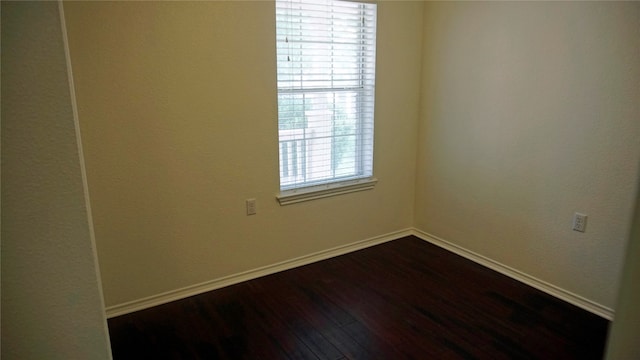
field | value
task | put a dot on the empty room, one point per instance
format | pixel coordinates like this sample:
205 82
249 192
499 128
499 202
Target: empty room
300 179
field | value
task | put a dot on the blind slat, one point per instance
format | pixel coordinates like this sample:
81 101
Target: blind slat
326 76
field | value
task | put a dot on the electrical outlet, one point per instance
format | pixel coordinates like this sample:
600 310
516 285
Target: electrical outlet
579 222
251 206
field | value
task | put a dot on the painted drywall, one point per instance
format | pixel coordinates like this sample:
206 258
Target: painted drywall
530 112
623 335
51 301
177 108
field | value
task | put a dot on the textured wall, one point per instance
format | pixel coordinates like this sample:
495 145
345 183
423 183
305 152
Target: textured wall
530 112
177 107
623 335
51 300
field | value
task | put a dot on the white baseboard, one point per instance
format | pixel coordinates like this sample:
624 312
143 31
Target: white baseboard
163 298
532 281
159 299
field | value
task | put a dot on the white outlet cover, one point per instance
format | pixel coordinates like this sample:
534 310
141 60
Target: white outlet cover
579 222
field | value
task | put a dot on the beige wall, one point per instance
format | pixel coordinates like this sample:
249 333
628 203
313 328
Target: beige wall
177 106
51 299
623 334
521 114
531 112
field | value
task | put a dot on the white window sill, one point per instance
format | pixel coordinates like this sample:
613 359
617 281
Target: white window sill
294 196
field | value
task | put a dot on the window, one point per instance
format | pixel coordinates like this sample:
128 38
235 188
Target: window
326 82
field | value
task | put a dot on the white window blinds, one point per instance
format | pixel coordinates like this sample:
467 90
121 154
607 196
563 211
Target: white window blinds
326 77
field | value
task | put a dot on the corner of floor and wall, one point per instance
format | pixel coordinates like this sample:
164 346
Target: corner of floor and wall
495 124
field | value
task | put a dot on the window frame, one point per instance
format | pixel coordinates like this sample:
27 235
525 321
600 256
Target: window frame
363 178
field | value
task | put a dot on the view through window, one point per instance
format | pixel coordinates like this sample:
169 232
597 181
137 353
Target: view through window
326 81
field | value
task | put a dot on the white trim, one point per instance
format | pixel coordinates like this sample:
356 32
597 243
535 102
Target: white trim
83 170
527 279
555 291
288 197
154 300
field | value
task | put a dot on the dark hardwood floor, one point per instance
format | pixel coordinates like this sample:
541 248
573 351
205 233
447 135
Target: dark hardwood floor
405 299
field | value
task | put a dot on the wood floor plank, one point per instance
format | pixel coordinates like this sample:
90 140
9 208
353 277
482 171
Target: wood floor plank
405 299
